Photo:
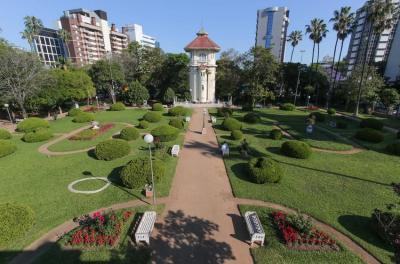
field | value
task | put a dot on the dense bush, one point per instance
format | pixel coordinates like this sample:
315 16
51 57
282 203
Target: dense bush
112 149
236 135
369 135
129 133
262 170
152 117
117 107
39 135
83 117
4 134
157 107
224 112
276 134
137 172
318 116
371 123
32 123
165 133
394 148
287 107
177 123
6 148
252 118
178 111
143 124
231 124
331 111
296 149
341 124
15 221
75 111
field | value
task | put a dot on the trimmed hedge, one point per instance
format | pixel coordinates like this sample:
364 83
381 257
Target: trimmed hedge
252 118
394 148
177 123
137 172
165 133
224 112
231 124
263 170
74 112
331 111
38 135
6 148
157 107
83 118
178 111
276 134
15 221
117 107
152 117
143 124
296 149
112 149
318 116
371 123
236 135
129 133
369 135
287 107
32 123
4 134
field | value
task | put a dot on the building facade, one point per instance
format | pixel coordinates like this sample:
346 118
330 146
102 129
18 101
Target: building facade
392 71
49 46
202 68
135 33
271 33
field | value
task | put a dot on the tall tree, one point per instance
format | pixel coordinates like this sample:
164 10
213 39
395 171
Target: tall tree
228 75
135 93
33 25
294 38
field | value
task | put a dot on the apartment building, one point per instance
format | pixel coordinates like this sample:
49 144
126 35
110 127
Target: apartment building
135 33
49 46
392 71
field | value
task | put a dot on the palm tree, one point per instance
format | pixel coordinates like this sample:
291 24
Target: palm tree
294 38
33 26
65 36
381 15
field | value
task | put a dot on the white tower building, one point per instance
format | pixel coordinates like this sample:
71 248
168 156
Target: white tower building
202 68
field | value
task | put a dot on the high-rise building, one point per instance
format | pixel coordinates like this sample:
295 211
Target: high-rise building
272 24
49 46
135 33
392 71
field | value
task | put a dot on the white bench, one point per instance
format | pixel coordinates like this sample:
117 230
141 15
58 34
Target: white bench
225 149
146 225
213 119
254 227
175 150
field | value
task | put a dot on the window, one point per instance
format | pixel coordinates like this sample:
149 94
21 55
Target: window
203 57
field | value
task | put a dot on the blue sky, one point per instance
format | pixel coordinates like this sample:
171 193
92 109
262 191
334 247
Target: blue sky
232 24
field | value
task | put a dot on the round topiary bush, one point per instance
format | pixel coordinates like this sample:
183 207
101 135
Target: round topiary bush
178 111
4 134
236 135
15 221
231 124
137 172
369 135
83 118
287 107
152 117
157 107
371 123
263 170
143 124
177 123
32 123
74 112
318 116
129 133
112 149
117 107
38 135
296 149
394 148
165 133
6 148
331 111
276 134
224 112
252 118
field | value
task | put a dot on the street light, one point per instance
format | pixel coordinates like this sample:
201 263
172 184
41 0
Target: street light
149 139
8 111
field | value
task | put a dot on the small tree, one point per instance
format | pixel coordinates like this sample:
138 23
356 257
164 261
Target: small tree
389 97
169 96
136 93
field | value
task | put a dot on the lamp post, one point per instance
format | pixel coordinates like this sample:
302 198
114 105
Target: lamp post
308 100
8 111
97 102
149 139
204 130
298 76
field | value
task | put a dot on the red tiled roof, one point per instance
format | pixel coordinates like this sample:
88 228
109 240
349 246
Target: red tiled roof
202 42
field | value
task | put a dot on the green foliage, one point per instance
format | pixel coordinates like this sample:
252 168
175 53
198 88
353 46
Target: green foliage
296 149
143 124
331 111
157 107
4 134
252 118
231 124
276 134
137 172
177 123
6 148
263 170
224 112
117 107
15 221
74 112
165 133
369 135
129 133
178 111
112 149
318 117
287 107
371 123
394 148
152 117
136 93
228 75
83 117
341 124
86 134
236 135
39 135
169 96
32 123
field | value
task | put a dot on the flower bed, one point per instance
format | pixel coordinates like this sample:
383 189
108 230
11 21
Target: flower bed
312 108
299 233
89 134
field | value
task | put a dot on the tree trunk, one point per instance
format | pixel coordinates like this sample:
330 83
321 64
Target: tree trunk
291 56
337 66
24 113
316 69
313 50
60 110
331 81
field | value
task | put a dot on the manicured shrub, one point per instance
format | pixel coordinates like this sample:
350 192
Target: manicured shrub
236 135
178 111
331 111
296 149
369 135
318 116
231 124
117 107
165 133
129 133
341 124
177 123
152 117
39 135
137 172
143 124
4 134
112 149
224 112
394 148
83 117
371 123
6 148
263 170
252 118
32 123
287 107
157 107
74 112
15 221
276 134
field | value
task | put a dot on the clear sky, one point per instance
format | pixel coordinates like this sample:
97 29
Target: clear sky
230 23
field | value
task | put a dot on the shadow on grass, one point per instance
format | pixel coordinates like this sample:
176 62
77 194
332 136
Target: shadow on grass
240 171
91 154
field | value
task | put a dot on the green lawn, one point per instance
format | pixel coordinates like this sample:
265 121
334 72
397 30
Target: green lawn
393 122
341 190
